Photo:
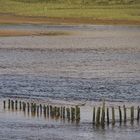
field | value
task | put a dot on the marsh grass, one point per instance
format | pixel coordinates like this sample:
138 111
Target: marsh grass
96 9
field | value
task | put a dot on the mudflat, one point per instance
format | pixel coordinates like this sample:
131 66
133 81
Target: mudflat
14 19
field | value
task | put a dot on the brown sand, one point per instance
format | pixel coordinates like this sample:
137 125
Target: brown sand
12 19
31 33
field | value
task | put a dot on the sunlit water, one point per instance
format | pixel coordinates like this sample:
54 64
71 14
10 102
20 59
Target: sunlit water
91 64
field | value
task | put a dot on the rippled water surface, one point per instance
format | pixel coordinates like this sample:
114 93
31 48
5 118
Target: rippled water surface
92 63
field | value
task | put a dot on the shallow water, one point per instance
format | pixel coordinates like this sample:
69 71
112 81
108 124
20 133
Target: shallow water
19 125
92 63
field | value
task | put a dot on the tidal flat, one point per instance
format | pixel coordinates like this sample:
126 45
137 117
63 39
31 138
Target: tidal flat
92 63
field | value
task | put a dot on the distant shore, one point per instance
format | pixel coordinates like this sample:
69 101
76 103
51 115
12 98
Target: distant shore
14 19
6 33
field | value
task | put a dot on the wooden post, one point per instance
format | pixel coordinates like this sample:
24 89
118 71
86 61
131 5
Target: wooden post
24 106
12 102
4 104
40 109
58 111
107 116
94 114
68 113
37 110
120 114
63 112
125 114
9 103
132 114
44 109
16 104
34 106
28 107
55 111
72 113
48 110
98 117
77 113
138 113
51 111
113 116
20 106
103 116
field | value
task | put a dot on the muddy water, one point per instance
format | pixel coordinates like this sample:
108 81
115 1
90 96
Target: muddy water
92 63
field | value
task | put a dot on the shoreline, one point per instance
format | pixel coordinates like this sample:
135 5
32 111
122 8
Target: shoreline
16 33
16 19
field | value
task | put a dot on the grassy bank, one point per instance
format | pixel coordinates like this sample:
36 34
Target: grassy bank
128 10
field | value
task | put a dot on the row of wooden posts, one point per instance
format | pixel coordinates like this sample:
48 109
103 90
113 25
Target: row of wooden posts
62 112
103 115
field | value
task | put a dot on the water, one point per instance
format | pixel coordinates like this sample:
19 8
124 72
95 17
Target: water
92 63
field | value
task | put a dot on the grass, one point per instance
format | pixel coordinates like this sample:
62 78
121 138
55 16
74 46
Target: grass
94 9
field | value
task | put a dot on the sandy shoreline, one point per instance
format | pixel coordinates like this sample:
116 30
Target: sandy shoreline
14 19
6 33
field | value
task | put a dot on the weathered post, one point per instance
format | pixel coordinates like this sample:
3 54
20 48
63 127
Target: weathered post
63 112
34 106
44 111
12 102
28 107
138 113
68 113
55 111
72 113
132 114
107 116
16 104
48 110
31 107
37 110
58 111
51 111
113 116
94 114
20 105
40 109
103 115
77 113
98 117
125 114
120 114
24 106
4 104
9 103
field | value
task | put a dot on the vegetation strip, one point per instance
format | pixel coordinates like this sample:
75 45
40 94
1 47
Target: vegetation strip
70 11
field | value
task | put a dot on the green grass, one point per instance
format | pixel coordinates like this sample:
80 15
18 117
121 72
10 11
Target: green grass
96 9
